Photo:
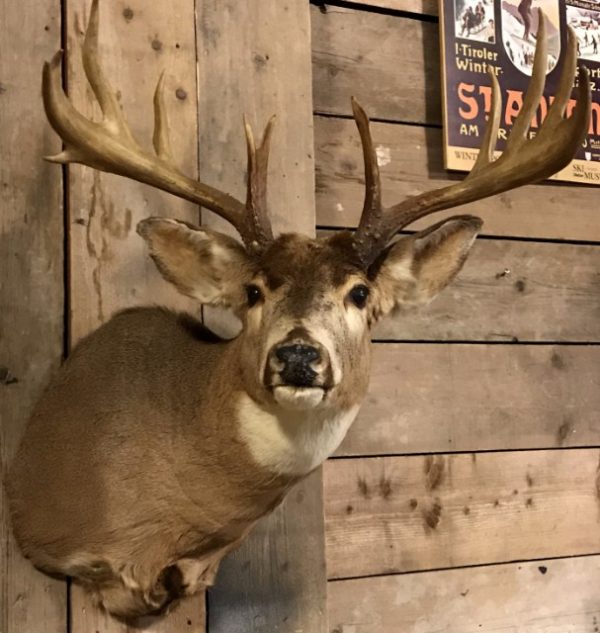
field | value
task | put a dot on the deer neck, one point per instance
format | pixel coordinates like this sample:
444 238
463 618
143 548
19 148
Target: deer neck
253 450
276 441
291 443
283 442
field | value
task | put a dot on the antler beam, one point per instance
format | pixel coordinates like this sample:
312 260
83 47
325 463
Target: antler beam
110 146
523 161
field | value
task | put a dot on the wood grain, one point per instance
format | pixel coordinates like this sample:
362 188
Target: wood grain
187 617
412 162
276 581
418 513
540 597
255 58
391 64
31 290
511 291
110 268
439 398
427 7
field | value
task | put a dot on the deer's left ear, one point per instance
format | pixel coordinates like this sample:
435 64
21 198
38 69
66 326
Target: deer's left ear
203 264
416 268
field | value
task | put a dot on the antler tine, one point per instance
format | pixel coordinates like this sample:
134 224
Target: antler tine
523 161
518 135
535 90
563 94
258 166
372 207
160 138
111 147
490 137
107 100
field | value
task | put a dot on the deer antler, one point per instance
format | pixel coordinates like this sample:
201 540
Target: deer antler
110 146
523 160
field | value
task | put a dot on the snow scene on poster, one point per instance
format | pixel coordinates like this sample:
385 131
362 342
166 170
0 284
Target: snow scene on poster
500 35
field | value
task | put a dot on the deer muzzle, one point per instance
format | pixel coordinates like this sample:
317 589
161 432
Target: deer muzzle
298 363
298 371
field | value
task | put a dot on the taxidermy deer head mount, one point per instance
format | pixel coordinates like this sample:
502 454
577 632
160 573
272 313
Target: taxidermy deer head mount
209 436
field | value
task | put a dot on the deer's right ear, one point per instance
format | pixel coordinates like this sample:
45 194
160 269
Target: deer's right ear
417 267
203 264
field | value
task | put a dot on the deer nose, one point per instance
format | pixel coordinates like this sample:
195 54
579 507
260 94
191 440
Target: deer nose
297 360
298 354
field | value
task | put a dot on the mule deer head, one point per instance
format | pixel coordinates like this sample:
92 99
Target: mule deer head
253 415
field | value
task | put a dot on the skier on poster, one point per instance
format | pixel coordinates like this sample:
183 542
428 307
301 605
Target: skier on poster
524 10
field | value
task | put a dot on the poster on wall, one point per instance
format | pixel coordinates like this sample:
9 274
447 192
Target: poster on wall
478 35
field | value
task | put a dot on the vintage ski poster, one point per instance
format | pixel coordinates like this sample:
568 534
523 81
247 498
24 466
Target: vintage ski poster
477 35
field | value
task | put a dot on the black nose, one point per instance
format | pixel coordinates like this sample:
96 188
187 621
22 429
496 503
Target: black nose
297 354
297 361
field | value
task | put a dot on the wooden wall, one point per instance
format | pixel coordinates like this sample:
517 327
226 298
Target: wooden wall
477 446
478 443
31 285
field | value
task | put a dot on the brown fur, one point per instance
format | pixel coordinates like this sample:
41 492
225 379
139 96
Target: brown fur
99 464
133 476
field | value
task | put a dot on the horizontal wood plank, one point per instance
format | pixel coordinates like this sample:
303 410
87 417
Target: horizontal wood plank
551 292
411 161
397 514
391 64
555 596
427 7
441 398
511 291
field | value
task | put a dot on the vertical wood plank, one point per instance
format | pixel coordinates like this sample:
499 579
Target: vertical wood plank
31 289
110 269
254 57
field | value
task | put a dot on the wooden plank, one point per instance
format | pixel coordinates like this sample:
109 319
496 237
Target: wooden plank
418 513
412 162
276 581
255 58
511 291
439 398
189 617
31 291
391 64
537 597
110 269
258 71
551 294
427 7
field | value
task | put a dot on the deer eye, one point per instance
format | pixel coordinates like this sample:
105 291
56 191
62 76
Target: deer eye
359 295
253 294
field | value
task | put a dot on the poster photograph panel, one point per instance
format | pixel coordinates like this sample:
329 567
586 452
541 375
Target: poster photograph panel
499 36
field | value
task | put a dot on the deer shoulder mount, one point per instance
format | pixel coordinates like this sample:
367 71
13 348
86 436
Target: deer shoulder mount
157 446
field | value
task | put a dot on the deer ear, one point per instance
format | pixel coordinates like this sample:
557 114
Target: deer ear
203 264
416 268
